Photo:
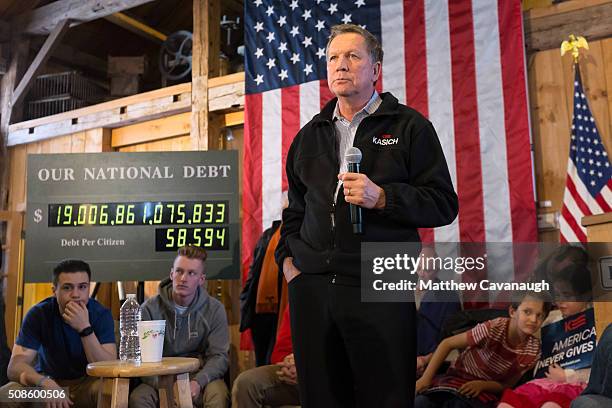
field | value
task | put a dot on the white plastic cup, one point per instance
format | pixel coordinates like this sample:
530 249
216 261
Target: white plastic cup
151 336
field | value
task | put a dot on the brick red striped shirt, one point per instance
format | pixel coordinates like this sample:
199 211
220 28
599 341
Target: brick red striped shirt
490 357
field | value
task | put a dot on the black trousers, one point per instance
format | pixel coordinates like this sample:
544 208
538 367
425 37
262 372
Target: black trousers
263 333
349 353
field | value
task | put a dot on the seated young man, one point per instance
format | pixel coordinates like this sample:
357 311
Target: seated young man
66 332
196 326
270 385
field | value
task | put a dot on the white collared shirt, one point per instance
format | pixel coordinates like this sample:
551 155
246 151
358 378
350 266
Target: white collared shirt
346 130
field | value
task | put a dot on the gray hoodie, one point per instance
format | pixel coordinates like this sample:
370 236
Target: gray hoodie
200 332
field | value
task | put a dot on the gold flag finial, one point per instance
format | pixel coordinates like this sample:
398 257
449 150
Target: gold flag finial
574 44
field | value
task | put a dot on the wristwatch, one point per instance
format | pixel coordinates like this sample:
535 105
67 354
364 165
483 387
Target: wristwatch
86 331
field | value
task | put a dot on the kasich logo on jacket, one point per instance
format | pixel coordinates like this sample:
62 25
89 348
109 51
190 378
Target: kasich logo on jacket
385 140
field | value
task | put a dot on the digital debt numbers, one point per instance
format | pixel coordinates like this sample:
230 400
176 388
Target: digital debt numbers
128 213
211 216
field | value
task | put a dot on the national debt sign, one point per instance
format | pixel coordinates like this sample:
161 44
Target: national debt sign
127 213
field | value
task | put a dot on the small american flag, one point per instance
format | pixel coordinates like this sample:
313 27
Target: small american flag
588 188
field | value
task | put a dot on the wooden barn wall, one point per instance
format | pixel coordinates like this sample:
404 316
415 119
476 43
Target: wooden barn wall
551 79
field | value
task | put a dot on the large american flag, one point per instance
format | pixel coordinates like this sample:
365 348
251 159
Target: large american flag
588 187
459 62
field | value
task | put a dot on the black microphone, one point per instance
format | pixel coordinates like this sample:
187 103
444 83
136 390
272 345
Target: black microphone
353 158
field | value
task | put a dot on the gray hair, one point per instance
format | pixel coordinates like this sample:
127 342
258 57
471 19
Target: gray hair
372 43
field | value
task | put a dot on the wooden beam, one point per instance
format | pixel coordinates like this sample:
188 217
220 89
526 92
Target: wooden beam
75 58
547 28
141 108
170 91
163 128
562 7
199 75
233 119
42 20
39 61
121 115
230 96
137 27
167 127
237 78
80 59
175 90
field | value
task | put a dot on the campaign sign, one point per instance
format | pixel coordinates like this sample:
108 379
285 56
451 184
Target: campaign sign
569 343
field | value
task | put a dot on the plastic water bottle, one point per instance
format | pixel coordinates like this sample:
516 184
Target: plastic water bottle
129 316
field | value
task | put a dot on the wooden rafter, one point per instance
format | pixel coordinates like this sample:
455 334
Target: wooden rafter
39 61
205 64
42 20
75 58
546 28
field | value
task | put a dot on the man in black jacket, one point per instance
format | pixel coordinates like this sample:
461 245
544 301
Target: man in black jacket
351 353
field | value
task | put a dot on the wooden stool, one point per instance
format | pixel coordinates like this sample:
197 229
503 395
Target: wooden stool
173 383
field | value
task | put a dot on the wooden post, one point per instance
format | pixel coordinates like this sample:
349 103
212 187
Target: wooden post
214 68
14 278
12 234
214 38
205 64
199 75
19 53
